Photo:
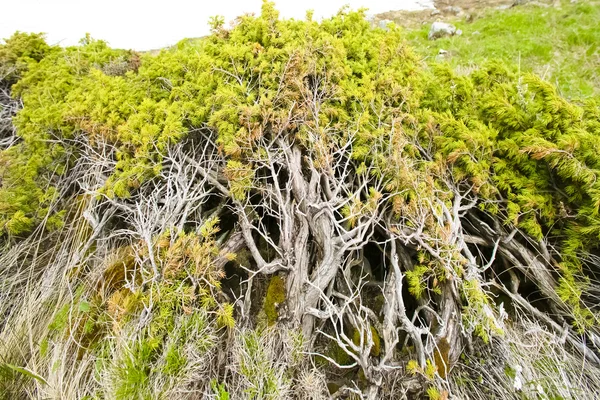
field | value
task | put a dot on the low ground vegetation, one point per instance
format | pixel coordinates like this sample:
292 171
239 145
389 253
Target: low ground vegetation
294 209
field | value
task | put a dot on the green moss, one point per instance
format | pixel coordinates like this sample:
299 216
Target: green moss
333 387
275 296
440 356
338 354
362 379
376 349
378 303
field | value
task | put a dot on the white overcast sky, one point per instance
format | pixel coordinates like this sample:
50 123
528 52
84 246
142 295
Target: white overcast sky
151 24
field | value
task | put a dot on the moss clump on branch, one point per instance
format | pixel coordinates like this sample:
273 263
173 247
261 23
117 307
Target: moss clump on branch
274 298
440 356
376 341
316 149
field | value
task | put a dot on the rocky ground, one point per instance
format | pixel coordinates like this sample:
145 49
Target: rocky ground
448 10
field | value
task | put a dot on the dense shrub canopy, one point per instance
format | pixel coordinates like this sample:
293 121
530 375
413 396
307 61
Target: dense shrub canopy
314 143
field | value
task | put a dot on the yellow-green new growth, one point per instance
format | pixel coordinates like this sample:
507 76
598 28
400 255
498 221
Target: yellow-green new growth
274 298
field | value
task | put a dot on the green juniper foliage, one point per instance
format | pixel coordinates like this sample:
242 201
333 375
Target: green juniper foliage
527 158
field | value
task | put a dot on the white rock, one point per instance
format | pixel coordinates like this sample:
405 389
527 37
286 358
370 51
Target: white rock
383 24
537 4
441 29
453 10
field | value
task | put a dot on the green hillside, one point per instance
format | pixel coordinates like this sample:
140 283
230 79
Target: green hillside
560 44
301 209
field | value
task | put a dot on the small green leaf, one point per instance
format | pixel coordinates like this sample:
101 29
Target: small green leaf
84 306
26 372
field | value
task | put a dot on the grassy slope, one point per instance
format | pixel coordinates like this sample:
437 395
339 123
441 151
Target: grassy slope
561 44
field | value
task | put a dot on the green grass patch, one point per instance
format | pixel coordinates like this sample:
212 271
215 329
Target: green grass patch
560 44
